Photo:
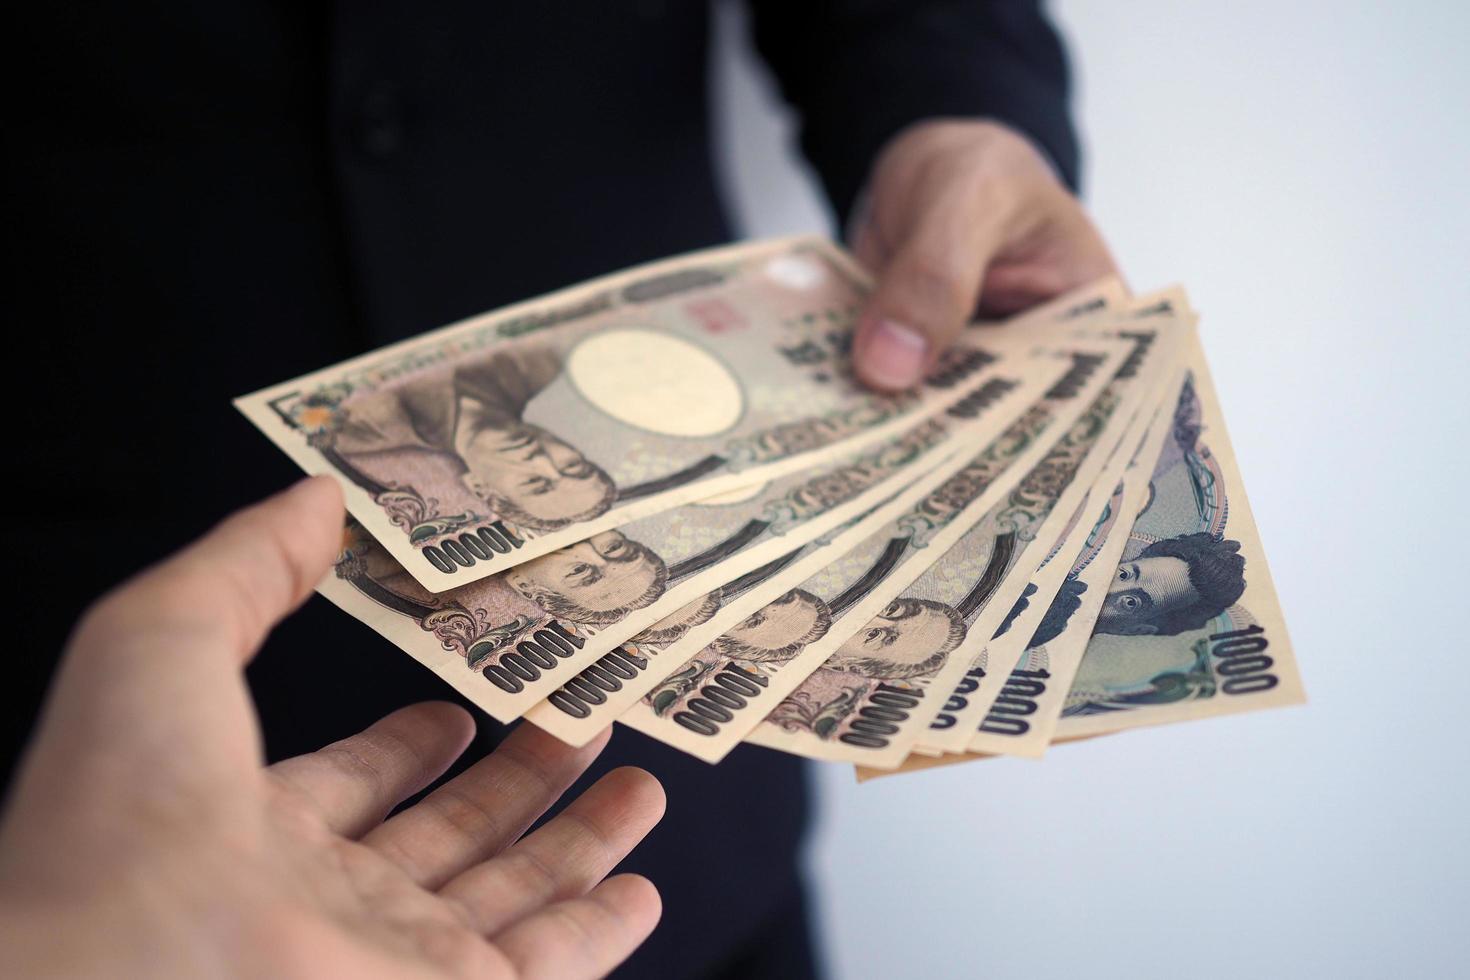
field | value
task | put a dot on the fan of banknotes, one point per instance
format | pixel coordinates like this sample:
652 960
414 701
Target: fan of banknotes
660 498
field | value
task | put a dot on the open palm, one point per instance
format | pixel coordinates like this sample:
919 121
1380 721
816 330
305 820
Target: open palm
144 836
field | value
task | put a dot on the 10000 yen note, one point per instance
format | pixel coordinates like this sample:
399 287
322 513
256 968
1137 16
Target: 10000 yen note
1178 619
601 693
1022 718
1190 626
507 639
1158 326
1024 715
873 701
496 440
604 689
808 611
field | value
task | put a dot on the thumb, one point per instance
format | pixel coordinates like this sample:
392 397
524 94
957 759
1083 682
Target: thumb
927 290
150 692
228 589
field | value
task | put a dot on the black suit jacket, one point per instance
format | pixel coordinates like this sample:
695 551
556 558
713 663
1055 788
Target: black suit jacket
208 198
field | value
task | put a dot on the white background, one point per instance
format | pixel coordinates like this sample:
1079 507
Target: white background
1302 167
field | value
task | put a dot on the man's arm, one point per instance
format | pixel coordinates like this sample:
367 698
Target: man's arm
859 71
954 118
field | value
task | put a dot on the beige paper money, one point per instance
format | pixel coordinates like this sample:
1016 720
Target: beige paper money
1016 721
509 639
490 442
1191 626
604 688
876 698
784 640
1023 719
1160 326
603 691
1179 619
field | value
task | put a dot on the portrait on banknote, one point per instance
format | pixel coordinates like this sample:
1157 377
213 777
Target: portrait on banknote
1176 593
506 436
472 415
910 638
1173 585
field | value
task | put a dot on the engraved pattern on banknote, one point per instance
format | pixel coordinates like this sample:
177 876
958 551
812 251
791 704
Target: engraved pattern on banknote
936 510
827 490
1189 502
801 711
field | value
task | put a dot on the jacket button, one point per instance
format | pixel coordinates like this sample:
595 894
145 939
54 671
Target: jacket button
380 128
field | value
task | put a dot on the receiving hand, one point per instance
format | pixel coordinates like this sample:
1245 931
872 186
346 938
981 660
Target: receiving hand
144 837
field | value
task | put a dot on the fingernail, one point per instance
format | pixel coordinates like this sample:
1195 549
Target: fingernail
894 355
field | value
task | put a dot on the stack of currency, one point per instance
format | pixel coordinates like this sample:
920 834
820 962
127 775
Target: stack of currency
660 498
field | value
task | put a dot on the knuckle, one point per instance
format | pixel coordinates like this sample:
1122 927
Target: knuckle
462 815
517 761
348 758
936 282
608 918
1011 151
589 926
448 945
294 807
591 832
530 875
392 754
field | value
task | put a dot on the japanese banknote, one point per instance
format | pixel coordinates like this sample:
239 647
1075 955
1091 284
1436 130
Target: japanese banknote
661 498
487 443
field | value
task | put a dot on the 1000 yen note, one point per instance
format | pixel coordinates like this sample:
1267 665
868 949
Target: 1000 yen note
1177 618
602 691
1020 719
1158 326
800 627
507 639
492 441
874 700
1024 716
1190 626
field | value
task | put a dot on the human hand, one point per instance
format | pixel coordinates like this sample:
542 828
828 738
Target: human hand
961 216
143 836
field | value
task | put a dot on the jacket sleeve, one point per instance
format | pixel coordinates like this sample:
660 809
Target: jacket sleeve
858 71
